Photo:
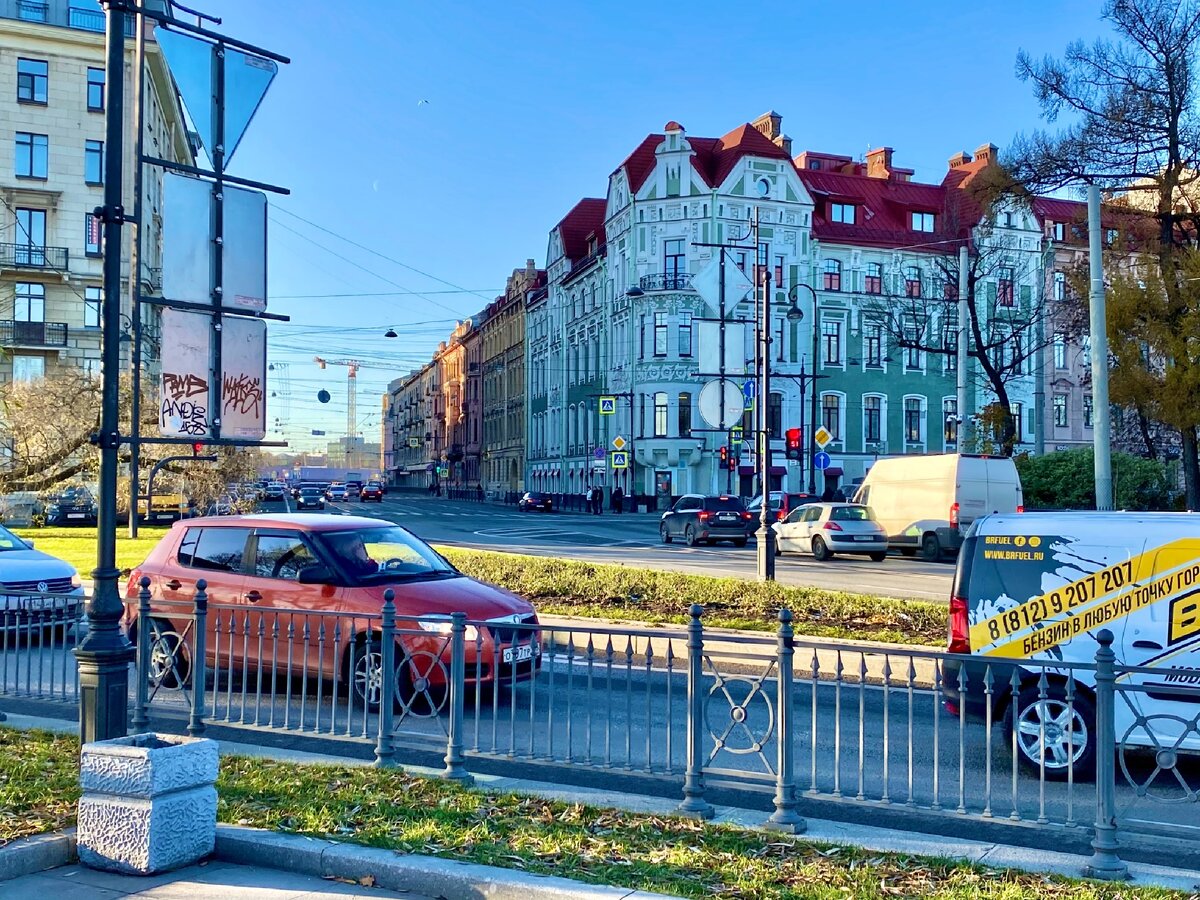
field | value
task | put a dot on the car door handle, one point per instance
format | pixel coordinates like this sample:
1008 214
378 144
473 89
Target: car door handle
174 585
254 596
1147 645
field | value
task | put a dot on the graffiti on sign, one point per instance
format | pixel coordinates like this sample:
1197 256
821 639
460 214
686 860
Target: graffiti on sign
242 394
184 385
178 414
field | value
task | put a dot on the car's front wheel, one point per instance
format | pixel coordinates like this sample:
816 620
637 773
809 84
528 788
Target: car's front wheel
664 533
1065 733
412 674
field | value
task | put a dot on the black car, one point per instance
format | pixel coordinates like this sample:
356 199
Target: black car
697 518
273 492
535 500
372 490
74 506
310 497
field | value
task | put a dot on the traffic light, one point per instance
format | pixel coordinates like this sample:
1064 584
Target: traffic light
197 448
724 457
792 438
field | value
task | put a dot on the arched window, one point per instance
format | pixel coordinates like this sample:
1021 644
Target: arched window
833 275
912 281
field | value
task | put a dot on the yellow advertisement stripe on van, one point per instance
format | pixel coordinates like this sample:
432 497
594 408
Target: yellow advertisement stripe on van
1102 614
1077 595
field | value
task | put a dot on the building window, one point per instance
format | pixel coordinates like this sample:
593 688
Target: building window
833 275
29 302
685 415
1060 350
1060 410
92 232
91 307
873 283
740 259
914 420
1058 231
872 419
1017 411
28 368
1110 236
912 281
873 345
32 155
775 416
831 334
31 237
1087 410
1060 286
660 334
779 271
950 420
922 221
674 259
831 414
93 162
912 343
1004 286
660 414
32 78
685 334
95 90
842 212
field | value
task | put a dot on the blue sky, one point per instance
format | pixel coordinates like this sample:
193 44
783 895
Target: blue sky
531 105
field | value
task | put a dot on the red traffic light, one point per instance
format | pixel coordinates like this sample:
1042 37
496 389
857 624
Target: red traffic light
197 448
793 442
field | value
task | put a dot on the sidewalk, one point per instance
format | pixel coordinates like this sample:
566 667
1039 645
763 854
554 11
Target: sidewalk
866 837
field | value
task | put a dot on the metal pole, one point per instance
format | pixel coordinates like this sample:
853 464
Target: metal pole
1105 863
455 769
694 803
145 646
721 370
218 231
1099 338
200 660
961 396
1039 359
816 349
765 543
785 818
385 744
104 654
135 265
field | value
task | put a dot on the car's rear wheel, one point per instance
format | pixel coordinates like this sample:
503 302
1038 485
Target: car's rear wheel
931 548
689 536
820 550
878 555
664 533
170 658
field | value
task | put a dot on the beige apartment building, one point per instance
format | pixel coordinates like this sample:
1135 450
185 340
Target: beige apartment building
53 97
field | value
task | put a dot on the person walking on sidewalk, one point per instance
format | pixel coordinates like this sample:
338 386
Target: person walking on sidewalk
618 499
598 501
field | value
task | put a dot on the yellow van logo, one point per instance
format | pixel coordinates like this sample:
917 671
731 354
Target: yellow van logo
1185 617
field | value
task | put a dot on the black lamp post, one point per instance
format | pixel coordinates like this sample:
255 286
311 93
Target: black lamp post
795 314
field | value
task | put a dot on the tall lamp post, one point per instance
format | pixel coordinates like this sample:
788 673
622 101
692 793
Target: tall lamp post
795 314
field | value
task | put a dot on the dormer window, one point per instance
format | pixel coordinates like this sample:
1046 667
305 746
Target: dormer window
1058 231
922 221
814 164
842 212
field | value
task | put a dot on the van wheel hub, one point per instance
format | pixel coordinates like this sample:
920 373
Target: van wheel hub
1053 725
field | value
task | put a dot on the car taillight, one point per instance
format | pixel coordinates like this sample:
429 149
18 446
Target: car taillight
954 515
132 587
832 526
747 516
959 628
705 515
1020 509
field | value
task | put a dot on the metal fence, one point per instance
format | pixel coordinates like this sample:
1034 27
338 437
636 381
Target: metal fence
792 717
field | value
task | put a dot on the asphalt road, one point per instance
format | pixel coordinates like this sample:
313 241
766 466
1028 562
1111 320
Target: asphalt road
632 539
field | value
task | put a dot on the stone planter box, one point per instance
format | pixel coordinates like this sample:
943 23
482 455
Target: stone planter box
149 803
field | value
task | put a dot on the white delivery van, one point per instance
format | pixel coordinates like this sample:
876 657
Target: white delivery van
1037 588
926 503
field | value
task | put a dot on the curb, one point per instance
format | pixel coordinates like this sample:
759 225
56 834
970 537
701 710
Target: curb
395 871
37 853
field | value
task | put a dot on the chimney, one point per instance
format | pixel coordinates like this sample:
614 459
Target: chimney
530 269
784 143
770 125
959 159
672 126
986 154
879 162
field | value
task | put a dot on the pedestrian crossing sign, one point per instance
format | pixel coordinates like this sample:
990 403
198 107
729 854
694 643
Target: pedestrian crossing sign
620 459
608 406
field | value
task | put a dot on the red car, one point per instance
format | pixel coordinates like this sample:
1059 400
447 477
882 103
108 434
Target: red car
372 490
313 586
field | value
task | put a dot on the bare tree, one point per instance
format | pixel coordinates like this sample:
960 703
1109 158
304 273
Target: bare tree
1132 124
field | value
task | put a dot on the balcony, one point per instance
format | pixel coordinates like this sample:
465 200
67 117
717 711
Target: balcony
29 11
31 256
665 281
32 334
89 20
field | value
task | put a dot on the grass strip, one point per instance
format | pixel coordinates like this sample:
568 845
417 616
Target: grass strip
389 809
575 588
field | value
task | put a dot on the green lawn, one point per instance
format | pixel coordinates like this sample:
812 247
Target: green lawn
78 545
387 808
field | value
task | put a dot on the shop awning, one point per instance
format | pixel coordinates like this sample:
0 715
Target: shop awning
834 472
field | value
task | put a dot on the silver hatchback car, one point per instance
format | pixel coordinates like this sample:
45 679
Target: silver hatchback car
824 529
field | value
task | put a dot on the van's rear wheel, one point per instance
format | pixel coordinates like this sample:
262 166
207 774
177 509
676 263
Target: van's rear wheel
1066 731
931 548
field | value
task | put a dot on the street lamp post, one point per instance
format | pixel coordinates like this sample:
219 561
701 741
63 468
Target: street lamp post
765 536
795 314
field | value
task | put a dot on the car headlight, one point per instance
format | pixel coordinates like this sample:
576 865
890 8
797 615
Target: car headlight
443 626
76 581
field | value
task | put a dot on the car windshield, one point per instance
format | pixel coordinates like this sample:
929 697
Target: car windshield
310 492
75 495
378 555
851 514
9 541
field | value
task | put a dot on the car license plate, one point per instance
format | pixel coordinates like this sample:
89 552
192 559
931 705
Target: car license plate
523 653
75 515
727 517
864 537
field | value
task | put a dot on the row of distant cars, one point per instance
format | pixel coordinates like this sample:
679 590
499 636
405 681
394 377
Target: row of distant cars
315 494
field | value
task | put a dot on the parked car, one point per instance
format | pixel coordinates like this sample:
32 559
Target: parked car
36 589
331 571
335 491
926 503
781 504
74 506
824 529
372 490
535 500
310 497
1032 593
700 519
273 492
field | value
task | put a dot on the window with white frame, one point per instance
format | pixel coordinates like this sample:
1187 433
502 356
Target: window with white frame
912 281
1060 410
831 414
660 414
1087 410
950 420
922 221
912 343
660 334
1060 350
872 418
914 420
1004 286
1060 285
873 345
1018 414
831 341
873 280
842 213
833 275
685 334
91 307
28 368
29 302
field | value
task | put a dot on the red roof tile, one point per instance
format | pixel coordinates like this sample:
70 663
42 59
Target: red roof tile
640 163
584 220
715 159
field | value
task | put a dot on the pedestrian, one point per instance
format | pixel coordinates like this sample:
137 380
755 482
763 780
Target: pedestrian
618 498
591 499
597 502
479 492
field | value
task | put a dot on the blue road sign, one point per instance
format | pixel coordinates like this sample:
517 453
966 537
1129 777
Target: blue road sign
821 460
749 389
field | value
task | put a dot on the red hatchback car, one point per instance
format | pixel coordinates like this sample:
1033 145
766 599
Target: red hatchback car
292 577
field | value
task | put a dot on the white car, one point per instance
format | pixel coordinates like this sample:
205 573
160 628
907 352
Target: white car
35 587
824 529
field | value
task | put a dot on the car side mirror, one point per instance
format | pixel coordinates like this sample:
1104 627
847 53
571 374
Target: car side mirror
315 574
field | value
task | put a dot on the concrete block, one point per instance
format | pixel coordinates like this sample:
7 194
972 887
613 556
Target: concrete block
149 803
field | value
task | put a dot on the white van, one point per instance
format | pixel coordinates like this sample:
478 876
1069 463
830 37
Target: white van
926 503
1039 587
